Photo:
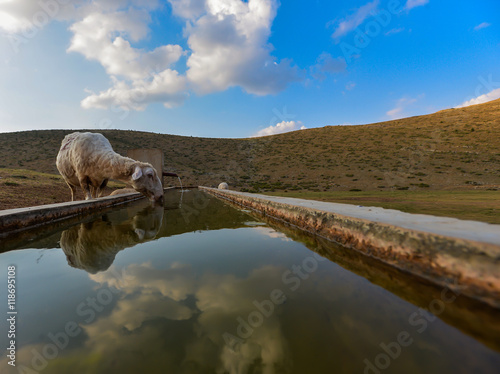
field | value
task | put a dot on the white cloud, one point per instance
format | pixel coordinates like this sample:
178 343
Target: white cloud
12 24
351 22
230 47
271 233
350 86
410 4
175 282
394 31
280 128
227 39
220 299
113 51
149 72
402 104
167 87
368 10
189 9
148 304
223 298
21 16
325 63
492 95
17 16
482 26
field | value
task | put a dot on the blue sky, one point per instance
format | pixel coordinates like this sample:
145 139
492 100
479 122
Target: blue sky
233 68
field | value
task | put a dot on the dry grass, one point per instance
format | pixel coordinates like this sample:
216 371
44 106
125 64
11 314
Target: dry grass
23 188
452 150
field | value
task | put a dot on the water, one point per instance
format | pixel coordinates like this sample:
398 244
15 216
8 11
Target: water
205 288
180 182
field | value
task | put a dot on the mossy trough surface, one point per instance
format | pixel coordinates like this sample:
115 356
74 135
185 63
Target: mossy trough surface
461 255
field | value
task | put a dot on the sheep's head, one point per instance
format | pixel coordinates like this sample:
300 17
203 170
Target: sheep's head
145 180
147 223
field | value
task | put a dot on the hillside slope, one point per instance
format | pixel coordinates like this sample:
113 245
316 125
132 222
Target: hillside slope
451 149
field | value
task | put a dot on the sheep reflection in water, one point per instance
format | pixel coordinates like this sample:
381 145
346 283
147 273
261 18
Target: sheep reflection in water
93 246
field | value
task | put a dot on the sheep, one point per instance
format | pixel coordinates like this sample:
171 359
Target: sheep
88 160
92 246
223 186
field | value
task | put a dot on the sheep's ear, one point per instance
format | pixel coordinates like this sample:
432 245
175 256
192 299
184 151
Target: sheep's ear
137 173
149 171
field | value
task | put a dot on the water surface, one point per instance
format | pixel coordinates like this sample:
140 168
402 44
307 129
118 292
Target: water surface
198 286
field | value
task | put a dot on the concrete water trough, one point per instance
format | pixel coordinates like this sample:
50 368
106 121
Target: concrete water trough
22 224
15 220
463 256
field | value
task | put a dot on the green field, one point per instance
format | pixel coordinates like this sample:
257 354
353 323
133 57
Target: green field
471 205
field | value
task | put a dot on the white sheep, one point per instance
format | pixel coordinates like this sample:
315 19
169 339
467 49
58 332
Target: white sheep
88 160
223 186
93 246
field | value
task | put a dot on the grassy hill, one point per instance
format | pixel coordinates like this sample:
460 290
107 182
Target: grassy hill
455 149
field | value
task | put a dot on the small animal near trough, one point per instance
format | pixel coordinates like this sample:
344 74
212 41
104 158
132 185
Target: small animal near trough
87 160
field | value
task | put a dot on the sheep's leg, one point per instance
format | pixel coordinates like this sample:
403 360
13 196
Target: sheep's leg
93 190
95 187
85 184
101 188
73 191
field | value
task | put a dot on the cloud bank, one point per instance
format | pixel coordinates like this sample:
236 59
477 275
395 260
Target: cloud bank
360 15
280 128
482 26
410 4
227 47
327 64
492 95
350 23
399 111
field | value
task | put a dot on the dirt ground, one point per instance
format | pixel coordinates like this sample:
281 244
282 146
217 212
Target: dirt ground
24 188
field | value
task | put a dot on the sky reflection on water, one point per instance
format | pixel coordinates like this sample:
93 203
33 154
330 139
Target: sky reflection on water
154 290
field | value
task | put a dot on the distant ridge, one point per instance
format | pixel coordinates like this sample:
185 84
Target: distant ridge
450 149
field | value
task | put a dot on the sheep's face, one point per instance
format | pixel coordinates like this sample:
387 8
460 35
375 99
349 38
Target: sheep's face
146 181
148 222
